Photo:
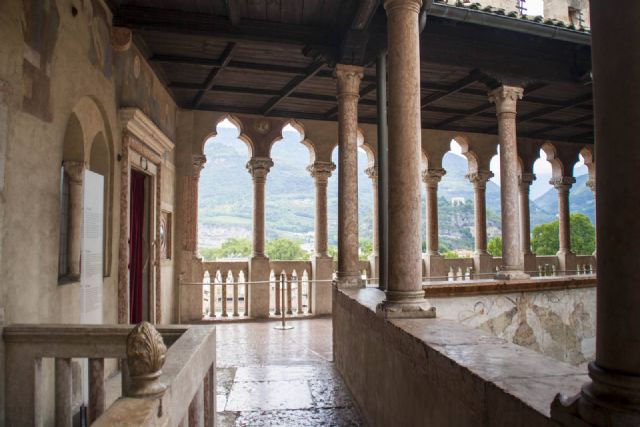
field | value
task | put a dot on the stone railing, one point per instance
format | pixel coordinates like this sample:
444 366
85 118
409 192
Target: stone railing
225 288
159 386
290 287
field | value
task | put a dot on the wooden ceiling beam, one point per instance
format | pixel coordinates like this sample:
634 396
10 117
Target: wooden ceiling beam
572 103
454 88
212 26
233 10
224 59
311 71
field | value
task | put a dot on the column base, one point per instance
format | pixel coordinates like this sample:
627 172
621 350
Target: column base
530 262
405 305
374 261
567 262
349 281
321 300
434 265
482 263
511 275
611 399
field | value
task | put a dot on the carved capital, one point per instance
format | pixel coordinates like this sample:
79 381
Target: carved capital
372 172
562 183
321 171
433 176
146 354
348 78
506 98
74 171
197 162
121 39
259 167
591 183
411 5
525 180
479 179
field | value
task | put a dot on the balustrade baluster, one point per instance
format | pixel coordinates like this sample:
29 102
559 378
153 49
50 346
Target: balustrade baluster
63 386
279 281
289 310
305 278
225 278
96 389
450 275
235 297
298 291
459 275
246 294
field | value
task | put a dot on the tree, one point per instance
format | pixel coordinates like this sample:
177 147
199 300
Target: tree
366 247
546 241
231 248
285 250
332 251
494 247
451 255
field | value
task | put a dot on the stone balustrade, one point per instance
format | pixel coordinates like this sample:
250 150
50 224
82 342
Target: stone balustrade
171 387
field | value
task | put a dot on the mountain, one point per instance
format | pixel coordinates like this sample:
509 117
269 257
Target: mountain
226 199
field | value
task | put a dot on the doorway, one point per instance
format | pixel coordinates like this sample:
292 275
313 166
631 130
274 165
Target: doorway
140 273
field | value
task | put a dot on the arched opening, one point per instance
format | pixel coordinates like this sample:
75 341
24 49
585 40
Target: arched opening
225 201
582 208
100 163
494 208
544 205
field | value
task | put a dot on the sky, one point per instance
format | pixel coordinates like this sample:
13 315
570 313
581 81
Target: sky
534 7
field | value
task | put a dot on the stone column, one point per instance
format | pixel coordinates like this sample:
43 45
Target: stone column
374 258
529 258
404 294
506 98
432 258
566 258
259 269
481 258
191 304
75 172
348 78
321 262
591 183
612 398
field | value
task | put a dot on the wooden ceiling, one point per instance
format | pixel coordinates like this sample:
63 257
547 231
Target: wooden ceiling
276 58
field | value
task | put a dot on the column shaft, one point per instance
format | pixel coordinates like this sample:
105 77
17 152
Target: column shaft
479 180
525 216
348 80
431 178
563 185
74 171
321 171
505 98
259 167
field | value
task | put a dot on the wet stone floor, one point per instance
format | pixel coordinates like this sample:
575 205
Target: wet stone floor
270 377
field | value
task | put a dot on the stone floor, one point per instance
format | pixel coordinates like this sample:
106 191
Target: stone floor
271 377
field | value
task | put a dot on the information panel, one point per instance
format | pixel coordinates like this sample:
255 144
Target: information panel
91 275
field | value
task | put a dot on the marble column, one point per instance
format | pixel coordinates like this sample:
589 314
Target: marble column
432 258
566 258
191 304
321 262
612 398
75 173
374 258
404 294
259 269
481 258
529 258
591 183
259 167
506 98
348 86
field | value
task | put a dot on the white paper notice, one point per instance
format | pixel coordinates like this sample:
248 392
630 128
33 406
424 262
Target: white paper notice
91 261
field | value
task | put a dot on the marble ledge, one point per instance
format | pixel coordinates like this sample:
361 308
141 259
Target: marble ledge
503 367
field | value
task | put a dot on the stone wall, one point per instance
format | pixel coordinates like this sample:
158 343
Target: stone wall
57 62
558 323
438 372
553 9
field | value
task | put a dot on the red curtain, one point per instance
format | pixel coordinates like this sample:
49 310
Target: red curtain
136 229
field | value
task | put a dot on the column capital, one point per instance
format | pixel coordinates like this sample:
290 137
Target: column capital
412 5
562 183
432 176
591 183
259 167
348 77
479 178
372 172
197 163
506 98
525 180
74 170
321 171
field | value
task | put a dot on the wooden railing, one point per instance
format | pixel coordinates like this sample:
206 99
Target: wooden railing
185 384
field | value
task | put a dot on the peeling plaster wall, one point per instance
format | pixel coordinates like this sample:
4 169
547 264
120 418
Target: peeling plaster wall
56 58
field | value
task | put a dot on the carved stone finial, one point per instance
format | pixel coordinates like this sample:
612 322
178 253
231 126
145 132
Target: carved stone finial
146 354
